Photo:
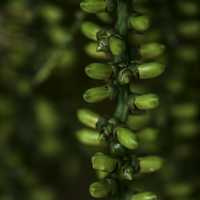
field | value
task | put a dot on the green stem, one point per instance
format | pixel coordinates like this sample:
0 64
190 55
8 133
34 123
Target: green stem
121 111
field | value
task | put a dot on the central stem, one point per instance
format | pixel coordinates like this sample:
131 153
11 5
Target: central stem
121 28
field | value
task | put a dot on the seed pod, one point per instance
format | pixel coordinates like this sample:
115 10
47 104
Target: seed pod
188 129
151 50
150 70
136 122
90 30
99 71
187 53
51 14
148 135
144 196
185 111
102 174
97 94
93 6
88 117
126 138
105 17
150 164
102 189
189 29
103 162
139 23
117 46
90 137
91 50
189 8
146 101
180 189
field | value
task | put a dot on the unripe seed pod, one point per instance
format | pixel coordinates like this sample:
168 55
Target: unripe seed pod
189 29
117 46
98 94
93 6
187 53
90 137
102 189
99 71
185 111
148 135
51 14
188 129
88 117
103 162
136 122
179 190
126 138
105 17
151 50
150 164
189 8
150 70
90 30
102 174
91 50
144 196
139 23
99 189
146 101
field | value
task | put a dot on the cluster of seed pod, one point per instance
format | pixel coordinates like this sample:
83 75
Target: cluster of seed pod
123 67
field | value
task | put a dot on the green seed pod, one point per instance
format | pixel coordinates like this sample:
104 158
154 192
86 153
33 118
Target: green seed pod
126 138
102 189
150 70
136 122
151 50
51 14
105 17
139 23
144 196
91 50
117 46
148 135
102 174
150 164
137 88
189 29
90 30
90 137
189 8
146 101
93 6
103 162
185 111
88 117
180 189
99 71
187 53
98 94
188 129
